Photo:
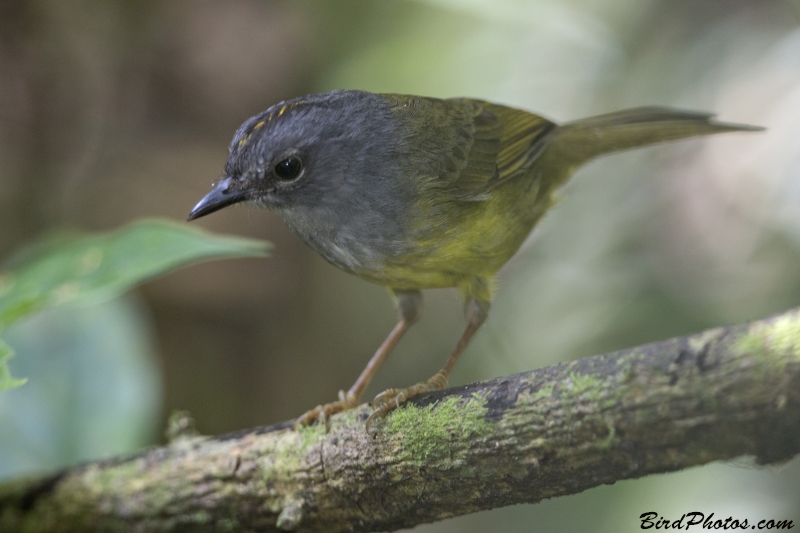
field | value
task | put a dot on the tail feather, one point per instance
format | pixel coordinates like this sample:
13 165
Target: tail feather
584 139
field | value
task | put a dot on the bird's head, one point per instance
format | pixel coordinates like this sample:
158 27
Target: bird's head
302 153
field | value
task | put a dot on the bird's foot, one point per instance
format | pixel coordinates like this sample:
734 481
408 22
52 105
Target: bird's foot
324 412
391 399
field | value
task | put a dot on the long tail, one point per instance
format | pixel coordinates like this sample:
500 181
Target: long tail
581 140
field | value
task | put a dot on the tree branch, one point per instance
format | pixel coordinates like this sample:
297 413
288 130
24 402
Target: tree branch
559 430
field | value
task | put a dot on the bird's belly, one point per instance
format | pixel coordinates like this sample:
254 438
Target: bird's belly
454 254
474 240
467 241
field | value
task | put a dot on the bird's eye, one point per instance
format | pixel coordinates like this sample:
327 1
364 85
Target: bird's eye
289 168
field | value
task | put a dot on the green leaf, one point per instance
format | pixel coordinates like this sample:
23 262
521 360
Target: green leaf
93 390
6 380
95 267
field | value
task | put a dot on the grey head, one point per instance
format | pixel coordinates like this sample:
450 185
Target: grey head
329 164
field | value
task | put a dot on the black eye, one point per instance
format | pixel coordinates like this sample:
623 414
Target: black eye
289 168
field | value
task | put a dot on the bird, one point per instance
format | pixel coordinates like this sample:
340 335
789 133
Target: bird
412 193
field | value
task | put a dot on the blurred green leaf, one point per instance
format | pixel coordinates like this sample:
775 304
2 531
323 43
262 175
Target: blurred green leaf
76 268
6 381
94 386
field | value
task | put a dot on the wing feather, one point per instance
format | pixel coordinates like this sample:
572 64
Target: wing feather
466 147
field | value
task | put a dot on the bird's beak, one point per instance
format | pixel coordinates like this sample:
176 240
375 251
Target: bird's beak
220 196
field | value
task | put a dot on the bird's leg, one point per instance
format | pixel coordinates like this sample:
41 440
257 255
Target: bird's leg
477 311
409 305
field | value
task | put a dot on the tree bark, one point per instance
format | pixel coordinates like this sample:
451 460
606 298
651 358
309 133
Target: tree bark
559 430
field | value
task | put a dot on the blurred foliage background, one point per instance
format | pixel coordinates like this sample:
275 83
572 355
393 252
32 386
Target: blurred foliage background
111 111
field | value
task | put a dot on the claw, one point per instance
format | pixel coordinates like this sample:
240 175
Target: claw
323 413
390 399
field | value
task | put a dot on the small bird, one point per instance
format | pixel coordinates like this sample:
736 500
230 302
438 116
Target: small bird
415 193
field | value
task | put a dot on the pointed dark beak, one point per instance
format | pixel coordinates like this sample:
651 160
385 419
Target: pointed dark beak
221 196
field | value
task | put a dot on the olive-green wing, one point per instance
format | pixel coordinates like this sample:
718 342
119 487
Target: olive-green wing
524 137
466 147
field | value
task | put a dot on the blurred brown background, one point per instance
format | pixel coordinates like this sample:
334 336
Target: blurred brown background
116 110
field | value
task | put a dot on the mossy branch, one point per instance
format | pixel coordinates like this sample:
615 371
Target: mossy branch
717 395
